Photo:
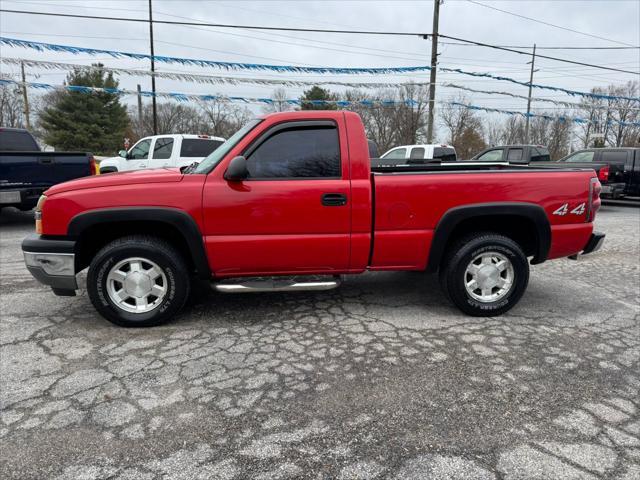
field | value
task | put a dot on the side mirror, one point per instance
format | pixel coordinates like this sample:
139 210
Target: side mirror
237 170
123 153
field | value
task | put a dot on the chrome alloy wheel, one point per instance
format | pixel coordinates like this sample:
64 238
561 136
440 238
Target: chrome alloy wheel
136 285
489 277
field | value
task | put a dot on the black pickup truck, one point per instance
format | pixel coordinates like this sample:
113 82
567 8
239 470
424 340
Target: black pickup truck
514 154
26 171
618 169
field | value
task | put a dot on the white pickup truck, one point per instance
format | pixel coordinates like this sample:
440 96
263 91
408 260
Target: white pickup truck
162 151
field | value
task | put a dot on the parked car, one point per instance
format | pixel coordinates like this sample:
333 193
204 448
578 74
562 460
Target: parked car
514 154
162 151
26 171
618 168
415 154
291 195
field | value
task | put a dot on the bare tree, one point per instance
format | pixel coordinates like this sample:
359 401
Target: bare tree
279 104
624 112
172 118
464 128
11 106
223 118
410 113
553 132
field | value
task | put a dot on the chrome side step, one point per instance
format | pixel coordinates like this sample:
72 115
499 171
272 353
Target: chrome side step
278 284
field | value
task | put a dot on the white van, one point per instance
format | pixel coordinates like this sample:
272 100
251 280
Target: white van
160 151
408 154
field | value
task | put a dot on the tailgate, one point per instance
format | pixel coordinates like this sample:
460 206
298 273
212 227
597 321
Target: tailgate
41 169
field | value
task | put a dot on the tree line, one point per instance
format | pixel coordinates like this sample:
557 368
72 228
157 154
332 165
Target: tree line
99 122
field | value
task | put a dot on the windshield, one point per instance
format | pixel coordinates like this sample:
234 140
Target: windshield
208 164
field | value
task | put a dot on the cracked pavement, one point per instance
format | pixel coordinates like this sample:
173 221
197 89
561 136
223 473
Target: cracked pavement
381 378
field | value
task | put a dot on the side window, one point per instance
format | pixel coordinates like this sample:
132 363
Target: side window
540 154
514 155
580 157
312 152
614 156
444 154
491 156
162 148
417 153
140 151
397 154
198 147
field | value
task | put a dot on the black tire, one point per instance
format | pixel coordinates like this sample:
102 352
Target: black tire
164 255
106 170
453 274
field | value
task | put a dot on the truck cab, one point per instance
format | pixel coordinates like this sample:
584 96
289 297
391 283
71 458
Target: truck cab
162 151
514 154
417 154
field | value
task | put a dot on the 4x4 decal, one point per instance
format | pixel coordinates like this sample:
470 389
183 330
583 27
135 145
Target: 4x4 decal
564 209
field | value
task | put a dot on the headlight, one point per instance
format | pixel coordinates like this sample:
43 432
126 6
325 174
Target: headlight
38 213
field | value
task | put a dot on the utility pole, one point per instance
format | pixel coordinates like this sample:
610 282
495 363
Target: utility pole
25 97
139 105
526 125
153 77
432 76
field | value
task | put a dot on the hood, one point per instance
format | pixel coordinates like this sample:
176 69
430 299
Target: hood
162 175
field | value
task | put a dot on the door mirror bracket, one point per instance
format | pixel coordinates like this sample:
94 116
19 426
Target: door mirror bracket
237 170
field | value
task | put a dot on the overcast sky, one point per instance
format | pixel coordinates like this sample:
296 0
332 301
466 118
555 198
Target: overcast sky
616 21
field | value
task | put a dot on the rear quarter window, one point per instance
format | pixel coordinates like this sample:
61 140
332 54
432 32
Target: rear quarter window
198 147
540 154
17 141
615 156
444 154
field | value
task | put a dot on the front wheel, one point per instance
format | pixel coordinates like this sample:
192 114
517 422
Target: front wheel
485 274
138 281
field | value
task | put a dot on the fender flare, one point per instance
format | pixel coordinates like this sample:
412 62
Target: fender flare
180 220
453 217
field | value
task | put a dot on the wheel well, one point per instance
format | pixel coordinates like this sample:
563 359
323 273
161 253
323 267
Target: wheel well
93 238
518 228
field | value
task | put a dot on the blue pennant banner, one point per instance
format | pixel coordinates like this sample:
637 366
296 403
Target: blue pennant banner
572 93
187 97
41 46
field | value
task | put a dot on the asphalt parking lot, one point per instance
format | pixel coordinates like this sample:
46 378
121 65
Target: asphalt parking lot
379 379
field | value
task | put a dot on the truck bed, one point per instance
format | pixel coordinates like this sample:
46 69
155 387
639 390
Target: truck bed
409 202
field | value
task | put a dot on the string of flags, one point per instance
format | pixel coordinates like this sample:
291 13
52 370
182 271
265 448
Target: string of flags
42 46
187 97
200 78
534 99
225 80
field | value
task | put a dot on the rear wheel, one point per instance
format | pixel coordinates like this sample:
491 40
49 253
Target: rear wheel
138 281
485 274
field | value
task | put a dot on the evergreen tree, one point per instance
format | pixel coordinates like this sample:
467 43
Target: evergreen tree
93 122
318 93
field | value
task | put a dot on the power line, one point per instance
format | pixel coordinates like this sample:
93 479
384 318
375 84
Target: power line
295 29
549 24
540 56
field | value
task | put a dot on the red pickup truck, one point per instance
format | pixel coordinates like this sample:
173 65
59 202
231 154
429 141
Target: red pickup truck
290 202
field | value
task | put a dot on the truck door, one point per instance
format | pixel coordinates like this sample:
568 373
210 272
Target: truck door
162 153
138 156
292 214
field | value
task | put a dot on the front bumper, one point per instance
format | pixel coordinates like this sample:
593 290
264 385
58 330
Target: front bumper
51 262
